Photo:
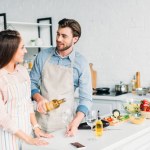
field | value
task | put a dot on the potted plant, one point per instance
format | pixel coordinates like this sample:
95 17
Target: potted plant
32 42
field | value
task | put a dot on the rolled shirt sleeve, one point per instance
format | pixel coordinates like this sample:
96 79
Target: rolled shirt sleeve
85 88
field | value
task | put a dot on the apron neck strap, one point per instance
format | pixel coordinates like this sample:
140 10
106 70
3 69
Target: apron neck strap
72 62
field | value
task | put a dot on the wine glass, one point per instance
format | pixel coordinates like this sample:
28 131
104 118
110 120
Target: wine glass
66 116
91 117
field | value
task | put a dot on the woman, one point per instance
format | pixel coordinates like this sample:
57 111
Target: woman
16 111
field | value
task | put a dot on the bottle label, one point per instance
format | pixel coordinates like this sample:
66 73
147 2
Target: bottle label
99 126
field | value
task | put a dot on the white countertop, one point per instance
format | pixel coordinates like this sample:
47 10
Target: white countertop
118 137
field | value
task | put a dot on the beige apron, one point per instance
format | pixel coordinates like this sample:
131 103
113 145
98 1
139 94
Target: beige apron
57 83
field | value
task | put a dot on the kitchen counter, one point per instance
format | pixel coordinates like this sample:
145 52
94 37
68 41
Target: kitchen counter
123 97
120 137
107 103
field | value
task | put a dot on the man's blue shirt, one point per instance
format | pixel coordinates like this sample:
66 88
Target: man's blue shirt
81 74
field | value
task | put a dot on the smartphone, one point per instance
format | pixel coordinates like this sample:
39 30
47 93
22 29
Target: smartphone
78 145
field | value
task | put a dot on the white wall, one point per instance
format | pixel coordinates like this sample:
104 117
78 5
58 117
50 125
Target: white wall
115 33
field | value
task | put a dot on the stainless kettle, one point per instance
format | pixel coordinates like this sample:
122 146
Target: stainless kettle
121 88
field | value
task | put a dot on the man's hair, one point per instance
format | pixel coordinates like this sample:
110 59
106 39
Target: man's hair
73 24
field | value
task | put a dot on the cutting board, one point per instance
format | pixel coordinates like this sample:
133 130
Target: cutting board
94 76
138 84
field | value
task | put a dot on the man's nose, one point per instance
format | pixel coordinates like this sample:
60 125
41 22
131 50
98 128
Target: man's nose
59 38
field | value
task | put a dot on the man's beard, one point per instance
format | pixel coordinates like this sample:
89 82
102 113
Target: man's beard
64 48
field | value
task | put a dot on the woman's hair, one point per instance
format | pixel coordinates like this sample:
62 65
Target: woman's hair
9 42
73 24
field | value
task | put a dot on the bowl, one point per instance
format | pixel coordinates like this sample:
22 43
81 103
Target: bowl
145 114
132 108
137 120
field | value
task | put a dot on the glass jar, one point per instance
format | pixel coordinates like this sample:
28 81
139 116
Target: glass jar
30 64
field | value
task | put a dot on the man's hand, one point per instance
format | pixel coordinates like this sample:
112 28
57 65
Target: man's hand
40 102
41 106
72 129
73 126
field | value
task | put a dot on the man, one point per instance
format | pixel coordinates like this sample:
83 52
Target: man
60 71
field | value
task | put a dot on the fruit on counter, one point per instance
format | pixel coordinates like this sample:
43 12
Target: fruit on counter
145 105
132 108
145 101
148 109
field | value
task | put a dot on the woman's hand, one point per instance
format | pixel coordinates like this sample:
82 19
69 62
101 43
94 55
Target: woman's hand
39 133
35 141
29 140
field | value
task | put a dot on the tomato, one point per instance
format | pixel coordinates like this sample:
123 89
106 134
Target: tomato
145 101
144 105
148 109
109 119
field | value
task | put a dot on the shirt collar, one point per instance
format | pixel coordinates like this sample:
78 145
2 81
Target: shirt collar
3 70
71 56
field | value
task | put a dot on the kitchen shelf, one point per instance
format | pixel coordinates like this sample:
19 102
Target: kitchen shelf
27 29
28 23
28 46
4 20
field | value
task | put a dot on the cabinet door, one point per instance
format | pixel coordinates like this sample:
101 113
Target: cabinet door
137 143
105 107
120 106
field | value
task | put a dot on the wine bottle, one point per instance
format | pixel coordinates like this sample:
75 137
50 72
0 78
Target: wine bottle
54 104
98 126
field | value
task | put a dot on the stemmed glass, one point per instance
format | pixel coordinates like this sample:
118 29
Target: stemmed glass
91 117
66 116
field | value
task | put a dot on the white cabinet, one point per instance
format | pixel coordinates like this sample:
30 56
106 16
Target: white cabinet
31 31
105 107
